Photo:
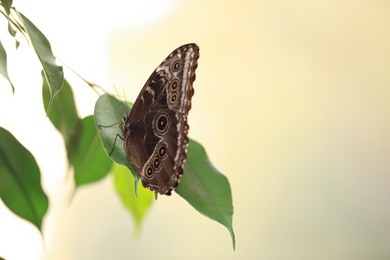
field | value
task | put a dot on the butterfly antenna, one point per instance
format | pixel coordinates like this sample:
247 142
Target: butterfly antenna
125 107
122 101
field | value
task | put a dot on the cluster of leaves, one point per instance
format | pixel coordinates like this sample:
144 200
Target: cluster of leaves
88 143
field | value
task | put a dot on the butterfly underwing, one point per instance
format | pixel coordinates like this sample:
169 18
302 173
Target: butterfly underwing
156 130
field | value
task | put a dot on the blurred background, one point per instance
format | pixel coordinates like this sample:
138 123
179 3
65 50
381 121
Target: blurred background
291 103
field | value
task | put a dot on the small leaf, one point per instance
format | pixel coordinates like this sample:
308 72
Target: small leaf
109 113
7 4
205 188
13 31
63 113
88 158
3 66
20 185
137 206
54 73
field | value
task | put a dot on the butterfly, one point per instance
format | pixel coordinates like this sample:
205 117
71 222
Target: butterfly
155 133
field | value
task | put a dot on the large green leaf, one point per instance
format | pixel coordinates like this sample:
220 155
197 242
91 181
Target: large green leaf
206 189
138 205
20 185
54 73
3 66
109 113
88 158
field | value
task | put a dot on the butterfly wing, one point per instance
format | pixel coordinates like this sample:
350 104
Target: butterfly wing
155 132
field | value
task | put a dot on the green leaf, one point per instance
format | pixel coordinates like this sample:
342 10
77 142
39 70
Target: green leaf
20 185
63 113
205 188
12 32
109 113
3 66
84 149
7 5
54 73
137 206
87 156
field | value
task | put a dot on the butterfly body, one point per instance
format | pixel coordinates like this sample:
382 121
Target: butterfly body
155 132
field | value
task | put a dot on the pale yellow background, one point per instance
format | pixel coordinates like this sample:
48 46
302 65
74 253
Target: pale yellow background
291 103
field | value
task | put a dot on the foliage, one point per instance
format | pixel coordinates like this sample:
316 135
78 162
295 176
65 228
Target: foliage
20 185
92 145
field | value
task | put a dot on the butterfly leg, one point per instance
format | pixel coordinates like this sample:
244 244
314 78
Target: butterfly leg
115 143
104 126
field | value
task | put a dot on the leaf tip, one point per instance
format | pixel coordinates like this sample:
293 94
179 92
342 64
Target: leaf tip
233 238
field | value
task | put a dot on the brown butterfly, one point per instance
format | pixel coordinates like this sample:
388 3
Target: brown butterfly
155 132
